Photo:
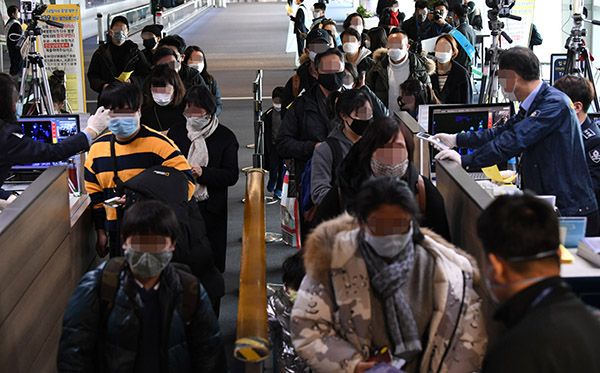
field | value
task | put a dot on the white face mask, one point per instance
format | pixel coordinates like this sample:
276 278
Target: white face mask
312 55
391 245
277 107
509 95
197 66
316 14
396 54
351 48
443 57
162 99
348 86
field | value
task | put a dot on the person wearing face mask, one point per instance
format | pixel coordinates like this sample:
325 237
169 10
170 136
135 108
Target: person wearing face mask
356 54
151 36
353 80
378 280
196 59
119 59
545 133
279 307
357 22
136 147
549 329
386 149
394 66
391 16
318 14
415 25
212 151
274 163
18 149
189 76
351 113
153 319
414 94
306 123
164 104
450 81
330 25
305 78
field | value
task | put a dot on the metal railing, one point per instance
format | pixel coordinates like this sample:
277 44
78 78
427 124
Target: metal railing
141 16
174 17
252 341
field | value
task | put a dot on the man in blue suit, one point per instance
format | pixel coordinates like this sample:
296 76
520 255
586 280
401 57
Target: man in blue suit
545 133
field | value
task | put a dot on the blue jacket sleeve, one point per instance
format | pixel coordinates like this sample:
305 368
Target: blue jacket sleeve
23 150
77 348
217 94
480 138
513 138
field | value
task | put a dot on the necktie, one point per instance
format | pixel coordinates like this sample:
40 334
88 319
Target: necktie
521 114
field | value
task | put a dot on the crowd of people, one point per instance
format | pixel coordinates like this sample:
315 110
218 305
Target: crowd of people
378 278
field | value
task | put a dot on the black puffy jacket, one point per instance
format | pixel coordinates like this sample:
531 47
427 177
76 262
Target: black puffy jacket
185 349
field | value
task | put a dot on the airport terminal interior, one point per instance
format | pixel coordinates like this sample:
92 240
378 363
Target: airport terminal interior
47 237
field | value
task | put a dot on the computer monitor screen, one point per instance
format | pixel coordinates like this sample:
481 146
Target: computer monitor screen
50 129
455 119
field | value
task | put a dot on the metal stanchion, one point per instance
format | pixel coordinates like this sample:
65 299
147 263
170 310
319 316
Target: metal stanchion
100 28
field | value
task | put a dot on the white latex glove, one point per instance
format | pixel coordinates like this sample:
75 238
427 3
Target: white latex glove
449 154
446 139
98 122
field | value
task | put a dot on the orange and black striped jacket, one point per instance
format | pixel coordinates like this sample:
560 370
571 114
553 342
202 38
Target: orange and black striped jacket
148 148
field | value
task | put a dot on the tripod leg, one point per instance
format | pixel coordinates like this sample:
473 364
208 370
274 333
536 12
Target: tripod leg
45 88
590 75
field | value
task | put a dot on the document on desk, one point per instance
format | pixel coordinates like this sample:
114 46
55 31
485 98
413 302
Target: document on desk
495 175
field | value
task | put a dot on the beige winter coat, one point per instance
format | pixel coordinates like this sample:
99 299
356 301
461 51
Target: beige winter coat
331 319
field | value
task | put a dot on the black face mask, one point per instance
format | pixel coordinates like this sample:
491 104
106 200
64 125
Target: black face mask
332 82
359 126
149 43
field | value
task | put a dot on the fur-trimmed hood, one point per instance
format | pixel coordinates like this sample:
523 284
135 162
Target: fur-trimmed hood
382 53
321 242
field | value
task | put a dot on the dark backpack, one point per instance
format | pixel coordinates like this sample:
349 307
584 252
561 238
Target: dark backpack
170 186
109 286
307 207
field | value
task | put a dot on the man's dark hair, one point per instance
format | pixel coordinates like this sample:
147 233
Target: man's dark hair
199 96
293 270
8 92
443 3
396 30
12 10
320 6
150 217
161 53
577 88
277 92
327 22
352 32
348 20
328 52
387 190
518 226
522 61
173 41
118 95
121 19
461 11
421 4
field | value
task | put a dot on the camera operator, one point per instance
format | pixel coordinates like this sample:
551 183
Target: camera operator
17 149
418 22
439 25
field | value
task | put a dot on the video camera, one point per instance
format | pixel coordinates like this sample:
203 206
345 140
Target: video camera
31 14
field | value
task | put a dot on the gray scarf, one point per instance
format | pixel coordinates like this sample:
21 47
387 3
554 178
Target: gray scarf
387 280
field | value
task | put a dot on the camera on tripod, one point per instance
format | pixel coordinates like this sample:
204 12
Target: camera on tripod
438 14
